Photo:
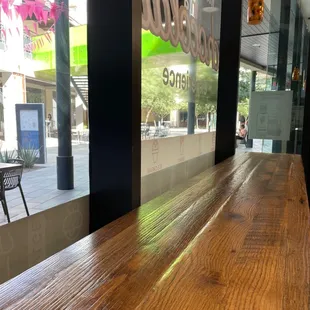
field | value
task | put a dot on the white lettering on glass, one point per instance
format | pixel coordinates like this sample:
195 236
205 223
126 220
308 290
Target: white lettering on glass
182 28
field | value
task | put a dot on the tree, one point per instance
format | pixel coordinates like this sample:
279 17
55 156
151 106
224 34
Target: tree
206 94
157 98
244 91
244 85
243 108
163 104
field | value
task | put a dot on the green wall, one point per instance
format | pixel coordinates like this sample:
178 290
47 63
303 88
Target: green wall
46 60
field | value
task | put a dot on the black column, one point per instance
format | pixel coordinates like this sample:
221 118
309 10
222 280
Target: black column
296 85
65 177
114 74
228 83
253 80
306 126
282 56
249 142
191 115
191 118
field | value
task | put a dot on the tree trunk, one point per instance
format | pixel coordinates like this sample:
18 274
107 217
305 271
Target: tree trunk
197 122
207 121
148 115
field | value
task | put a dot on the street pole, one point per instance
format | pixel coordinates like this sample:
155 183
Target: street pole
191 107
65 176
249 142
191 116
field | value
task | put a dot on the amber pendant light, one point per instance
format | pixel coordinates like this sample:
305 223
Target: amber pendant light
255 11
295 74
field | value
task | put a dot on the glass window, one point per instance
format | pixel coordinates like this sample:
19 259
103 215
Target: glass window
28 62
180 60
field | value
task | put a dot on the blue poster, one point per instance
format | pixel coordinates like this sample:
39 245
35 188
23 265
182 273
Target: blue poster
30 140
30 129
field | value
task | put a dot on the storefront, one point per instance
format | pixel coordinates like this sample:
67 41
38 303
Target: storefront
172 69
187 59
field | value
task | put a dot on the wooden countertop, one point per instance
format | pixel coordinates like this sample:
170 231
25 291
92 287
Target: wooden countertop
234 237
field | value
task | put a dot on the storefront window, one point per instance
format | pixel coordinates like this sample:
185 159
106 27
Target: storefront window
180 61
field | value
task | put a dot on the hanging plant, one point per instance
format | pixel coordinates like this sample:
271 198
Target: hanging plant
255 11
42 10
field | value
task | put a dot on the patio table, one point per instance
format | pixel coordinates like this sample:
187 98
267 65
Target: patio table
8 167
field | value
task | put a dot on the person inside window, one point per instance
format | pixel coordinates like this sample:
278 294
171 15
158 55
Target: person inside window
241 135
242 132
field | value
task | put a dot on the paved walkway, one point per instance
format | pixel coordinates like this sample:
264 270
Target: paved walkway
259 146
40 185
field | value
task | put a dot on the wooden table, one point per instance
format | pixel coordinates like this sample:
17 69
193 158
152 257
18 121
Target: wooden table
234 237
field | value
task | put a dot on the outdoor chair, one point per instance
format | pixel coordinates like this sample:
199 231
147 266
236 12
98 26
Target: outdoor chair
10 180
145 131
161 132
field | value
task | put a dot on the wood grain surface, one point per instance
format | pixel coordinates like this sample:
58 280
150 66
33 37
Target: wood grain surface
234 237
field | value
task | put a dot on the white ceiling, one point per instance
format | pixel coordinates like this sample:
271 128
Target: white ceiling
305 7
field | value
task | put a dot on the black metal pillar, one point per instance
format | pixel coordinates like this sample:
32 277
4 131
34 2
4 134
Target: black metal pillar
292 145
282 56
191 118
228 83
306 124
249 143
191 115
65 175
253 80
114 75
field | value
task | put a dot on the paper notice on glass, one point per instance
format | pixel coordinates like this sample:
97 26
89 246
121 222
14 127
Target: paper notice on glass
29 130
270 115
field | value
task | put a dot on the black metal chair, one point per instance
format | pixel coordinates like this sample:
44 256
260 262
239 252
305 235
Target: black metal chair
10 180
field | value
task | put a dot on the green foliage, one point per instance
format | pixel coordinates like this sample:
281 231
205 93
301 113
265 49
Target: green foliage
29 156
161 100
157 98
243 108
244 91
206 91
206 94
6 155
244 85
262 81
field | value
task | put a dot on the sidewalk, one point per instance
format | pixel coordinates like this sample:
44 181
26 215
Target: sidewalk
40 185
259 146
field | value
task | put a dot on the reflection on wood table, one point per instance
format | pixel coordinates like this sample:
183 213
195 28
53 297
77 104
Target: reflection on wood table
234 237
